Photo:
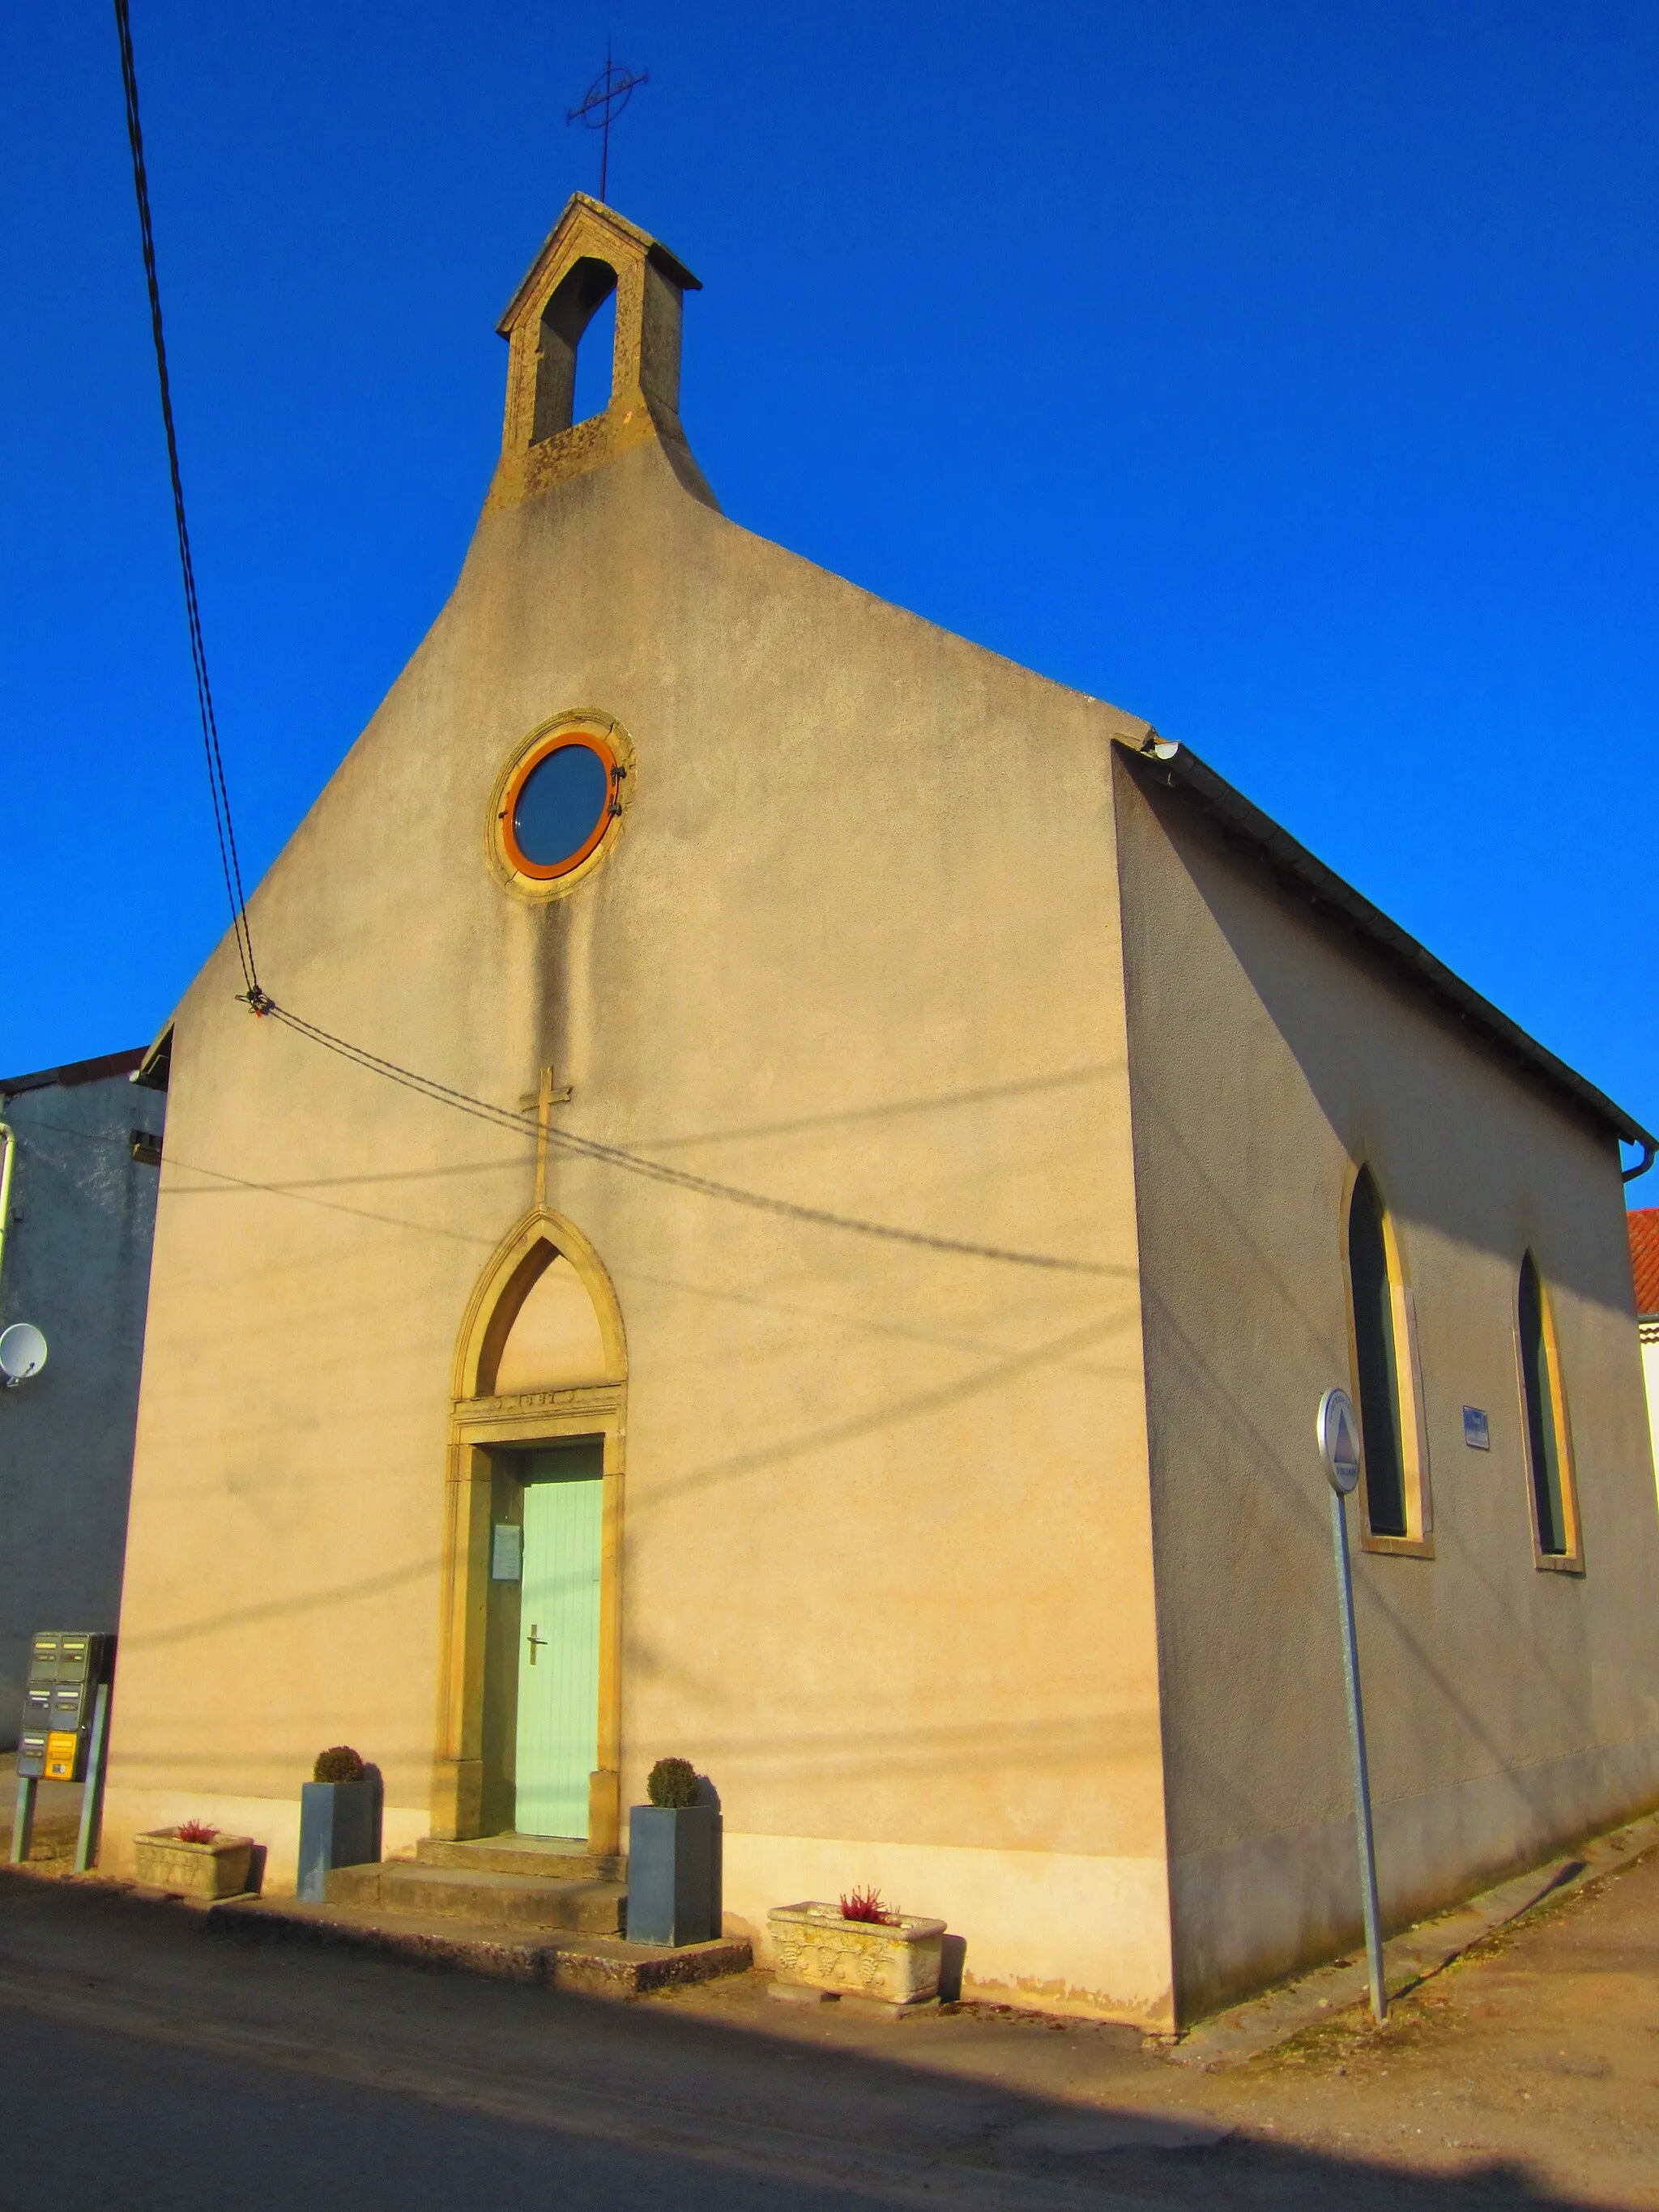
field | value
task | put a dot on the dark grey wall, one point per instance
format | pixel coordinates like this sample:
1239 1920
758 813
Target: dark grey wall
76 1264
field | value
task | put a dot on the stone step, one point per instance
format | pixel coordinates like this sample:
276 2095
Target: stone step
592 1966
546 1858
477 1894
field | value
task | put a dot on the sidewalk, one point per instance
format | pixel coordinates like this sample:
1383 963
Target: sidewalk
1408 1958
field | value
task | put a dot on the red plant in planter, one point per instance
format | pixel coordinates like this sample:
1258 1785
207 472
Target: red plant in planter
866 1905
195 1831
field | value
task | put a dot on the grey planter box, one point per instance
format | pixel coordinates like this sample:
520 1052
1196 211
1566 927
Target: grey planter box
673 1874
339 1826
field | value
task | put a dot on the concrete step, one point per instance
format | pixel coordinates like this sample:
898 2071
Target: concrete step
549 1858
587 1908
594 1966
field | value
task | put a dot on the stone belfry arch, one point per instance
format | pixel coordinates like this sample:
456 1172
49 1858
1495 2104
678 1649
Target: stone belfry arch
591 252
541 1358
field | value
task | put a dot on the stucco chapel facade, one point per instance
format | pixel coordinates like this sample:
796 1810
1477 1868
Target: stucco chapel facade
960 1142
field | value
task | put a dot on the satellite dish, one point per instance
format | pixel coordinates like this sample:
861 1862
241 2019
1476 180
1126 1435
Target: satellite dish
22 1353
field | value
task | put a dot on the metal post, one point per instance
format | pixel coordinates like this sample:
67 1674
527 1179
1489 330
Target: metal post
23 1820
1362 1783
92 1791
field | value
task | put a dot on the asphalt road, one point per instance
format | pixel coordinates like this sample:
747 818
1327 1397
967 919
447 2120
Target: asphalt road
106 2118
150 2063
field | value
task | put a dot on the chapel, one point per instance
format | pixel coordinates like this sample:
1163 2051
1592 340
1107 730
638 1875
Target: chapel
788 1199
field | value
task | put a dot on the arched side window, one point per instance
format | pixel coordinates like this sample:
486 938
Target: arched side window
1394 1446
1549 1446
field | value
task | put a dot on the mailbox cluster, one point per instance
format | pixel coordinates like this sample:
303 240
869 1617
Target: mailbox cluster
65 1669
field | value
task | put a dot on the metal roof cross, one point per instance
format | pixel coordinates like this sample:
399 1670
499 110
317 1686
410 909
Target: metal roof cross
607 96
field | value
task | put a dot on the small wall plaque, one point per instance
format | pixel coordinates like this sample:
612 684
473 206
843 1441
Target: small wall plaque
505 1553
1476 1434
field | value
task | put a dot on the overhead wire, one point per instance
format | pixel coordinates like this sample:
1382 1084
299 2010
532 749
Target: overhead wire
218 786
611 1155
661 1171
561 1140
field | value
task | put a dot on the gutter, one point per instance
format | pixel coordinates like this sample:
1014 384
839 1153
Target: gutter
1162 764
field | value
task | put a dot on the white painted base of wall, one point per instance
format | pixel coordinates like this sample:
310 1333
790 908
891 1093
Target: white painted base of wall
272 1821
1048 1932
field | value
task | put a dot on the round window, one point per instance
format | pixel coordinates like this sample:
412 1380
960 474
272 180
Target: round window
558 806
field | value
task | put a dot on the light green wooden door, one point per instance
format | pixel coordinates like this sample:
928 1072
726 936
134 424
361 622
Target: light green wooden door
558 1741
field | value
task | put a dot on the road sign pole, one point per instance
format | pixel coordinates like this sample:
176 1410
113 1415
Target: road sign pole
1336 1425
1362 1781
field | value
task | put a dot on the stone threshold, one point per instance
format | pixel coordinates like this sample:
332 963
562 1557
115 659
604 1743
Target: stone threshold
595 1966
1409 1959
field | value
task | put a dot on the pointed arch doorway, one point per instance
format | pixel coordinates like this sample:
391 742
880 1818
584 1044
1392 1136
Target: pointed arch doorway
529 1721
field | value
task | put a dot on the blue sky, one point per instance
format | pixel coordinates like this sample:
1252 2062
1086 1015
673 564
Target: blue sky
1283 373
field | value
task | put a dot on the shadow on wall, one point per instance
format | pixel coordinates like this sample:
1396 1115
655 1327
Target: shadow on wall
1298 1498
1291 960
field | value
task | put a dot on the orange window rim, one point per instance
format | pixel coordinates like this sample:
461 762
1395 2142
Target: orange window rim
565 740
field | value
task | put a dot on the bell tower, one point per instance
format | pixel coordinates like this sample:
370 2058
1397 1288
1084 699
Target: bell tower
591 253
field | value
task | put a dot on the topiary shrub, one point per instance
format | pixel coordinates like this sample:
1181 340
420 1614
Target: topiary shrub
672 1782
340 1762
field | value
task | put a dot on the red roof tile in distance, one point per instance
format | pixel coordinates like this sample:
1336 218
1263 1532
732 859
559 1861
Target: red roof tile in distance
1644 1258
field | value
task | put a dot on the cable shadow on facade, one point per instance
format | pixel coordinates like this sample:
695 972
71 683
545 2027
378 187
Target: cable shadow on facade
1306 1499
765 1457
285 1608
943 1102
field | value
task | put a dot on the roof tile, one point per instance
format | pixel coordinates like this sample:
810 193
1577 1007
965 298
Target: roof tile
1644 1258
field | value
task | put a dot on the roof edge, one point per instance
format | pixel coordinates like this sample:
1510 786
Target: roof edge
155 1068
1177 768
74 1072
654 251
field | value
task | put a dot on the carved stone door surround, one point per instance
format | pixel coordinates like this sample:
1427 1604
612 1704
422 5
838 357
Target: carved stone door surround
480 1419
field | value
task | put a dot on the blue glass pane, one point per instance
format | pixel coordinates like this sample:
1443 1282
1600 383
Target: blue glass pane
561 802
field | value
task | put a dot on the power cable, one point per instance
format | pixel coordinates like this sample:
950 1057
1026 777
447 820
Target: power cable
423 1085
565 1140
639 1163
215 766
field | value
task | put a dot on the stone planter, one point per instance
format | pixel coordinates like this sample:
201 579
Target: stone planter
898 1965
673 1880
216 1869
339 1826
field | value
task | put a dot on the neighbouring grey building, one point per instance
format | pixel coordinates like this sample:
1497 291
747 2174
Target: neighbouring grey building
82 1144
